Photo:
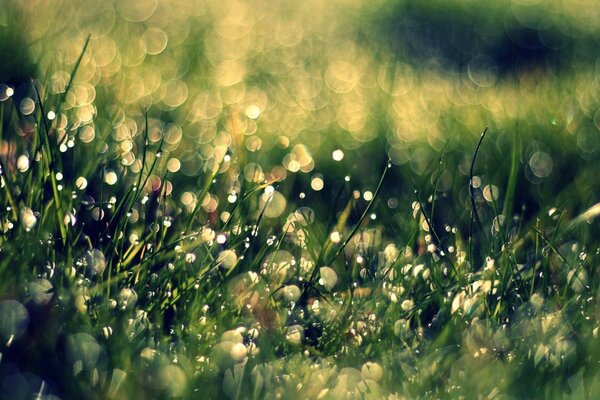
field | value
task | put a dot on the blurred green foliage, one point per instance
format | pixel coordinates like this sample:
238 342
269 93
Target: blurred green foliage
193 204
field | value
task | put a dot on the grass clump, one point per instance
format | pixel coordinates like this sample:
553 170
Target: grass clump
174 227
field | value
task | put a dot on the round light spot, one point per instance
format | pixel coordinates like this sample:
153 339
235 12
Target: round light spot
295 334
127 298
317 182
137 11
274 204
291 293
28 218
335 237
328 277
173 165
40 291
110 177
5 92
154 41
81 183
27 106
23 163
253 111
87 134
541 164
83 350
95 261
338 155
372 371
227 259
482 71
491 193
253 173
221 238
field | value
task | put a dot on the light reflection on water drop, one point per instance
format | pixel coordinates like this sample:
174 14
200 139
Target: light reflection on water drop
338 155
27 106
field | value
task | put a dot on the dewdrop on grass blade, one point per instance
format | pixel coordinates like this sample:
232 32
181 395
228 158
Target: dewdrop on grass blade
291 293
295 334
5 92
317 182
23 163
27 106
173 165
70 218
110 177
407 304
227 259
328 277
95 261
335 237
221 238
28 218
81 183
253 111
253 333
253 349
127 298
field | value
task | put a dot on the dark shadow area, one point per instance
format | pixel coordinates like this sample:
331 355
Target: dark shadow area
455 36
16 66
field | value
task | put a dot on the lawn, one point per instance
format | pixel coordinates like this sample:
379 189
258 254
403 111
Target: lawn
303 200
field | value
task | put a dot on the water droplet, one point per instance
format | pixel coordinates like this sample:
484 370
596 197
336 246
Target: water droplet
28 218
81 183
253 111
27 106
95 261
23 163
317 182
110 177
338 155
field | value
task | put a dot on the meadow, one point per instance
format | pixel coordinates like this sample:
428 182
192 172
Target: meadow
299 199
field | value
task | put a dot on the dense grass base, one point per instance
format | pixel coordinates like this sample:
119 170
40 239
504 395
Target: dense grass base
317 217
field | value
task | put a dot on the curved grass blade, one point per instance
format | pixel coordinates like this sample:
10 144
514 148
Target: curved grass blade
474 214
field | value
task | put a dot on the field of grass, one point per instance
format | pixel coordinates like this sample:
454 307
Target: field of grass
299 200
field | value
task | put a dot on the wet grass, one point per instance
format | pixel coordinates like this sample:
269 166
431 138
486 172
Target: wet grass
325 227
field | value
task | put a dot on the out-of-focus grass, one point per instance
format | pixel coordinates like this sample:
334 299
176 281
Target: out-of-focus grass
192 206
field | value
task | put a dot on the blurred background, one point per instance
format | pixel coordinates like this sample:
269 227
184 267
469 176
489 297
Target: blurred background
313 97
287 83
